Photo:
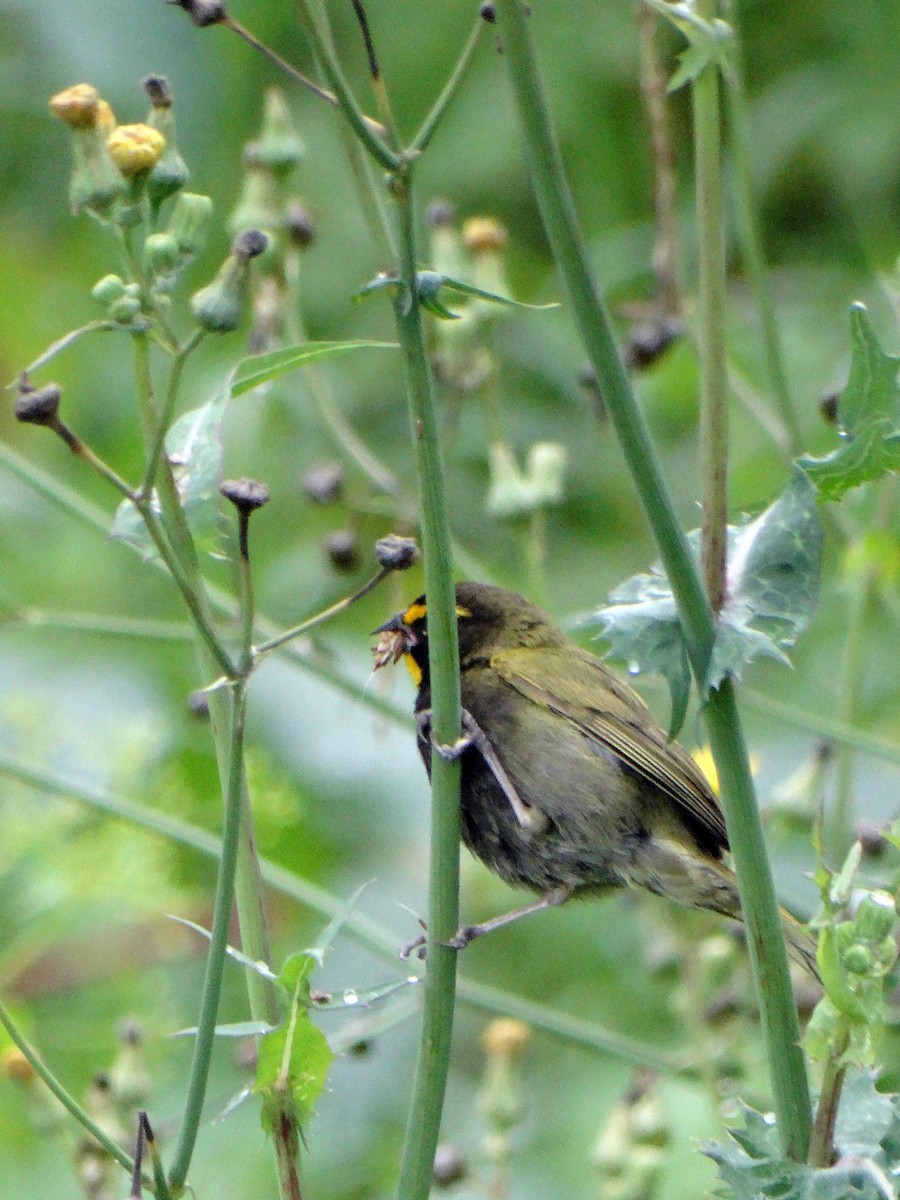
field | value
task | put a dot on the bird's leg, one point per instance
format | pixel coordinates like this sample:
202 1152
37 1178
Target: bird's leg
468 933
532 819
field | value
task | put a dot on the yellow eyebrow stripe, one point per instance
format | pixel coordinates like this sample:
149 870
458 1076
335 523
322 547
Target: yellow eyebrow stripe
416 612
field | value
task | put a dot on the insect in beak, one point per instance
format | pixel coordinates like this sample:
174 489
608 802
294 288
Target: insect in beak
395 638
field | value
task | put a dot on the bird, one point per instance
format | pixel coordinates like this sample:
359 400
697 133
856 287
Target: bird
569 787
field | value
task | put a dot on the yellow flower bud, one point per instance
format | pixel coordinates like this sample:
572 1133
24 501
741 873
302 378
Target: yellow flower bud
483 234
77 105
14 1065
505 1038
135 149
106 118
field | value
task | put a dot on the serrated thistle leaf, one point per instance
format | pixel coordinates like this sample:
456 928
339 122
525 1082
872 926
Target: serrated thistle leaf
292 1067
773 583
868 417
864 1119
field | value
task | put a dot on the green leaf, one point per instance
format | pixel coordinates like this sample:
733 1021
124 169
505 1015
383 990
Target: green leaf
773 582
233 1029
868 417
262 368
293 1064
865 1117
468 289
128 527
710 43
259 968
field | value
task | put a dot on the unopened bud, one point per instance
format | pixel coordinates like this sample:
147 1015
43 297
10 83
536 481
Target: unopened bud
203 12
649 341
217 307
875 917
161 254
14 1065
245 494
440 214
170 173
484 235
323 484
486 12
108 289
37 406
299 226
259 204
189 222
158 90
124 310
342 548
396 553
506 1037
280 146
449 1166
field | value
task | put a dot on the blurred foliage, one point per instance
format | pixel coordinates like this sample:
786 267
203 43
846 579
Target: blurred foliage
341 798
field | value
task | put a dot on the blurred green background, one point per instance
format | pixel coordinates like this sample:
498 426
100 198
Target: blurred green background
341 797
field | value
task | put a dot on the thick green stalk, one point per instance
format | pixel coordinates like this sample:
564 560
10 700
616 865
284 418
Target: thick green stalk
711 311
754 878
424 1120
215 962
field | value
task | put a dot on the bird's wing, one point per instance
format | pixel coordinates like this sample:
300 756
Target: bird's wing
610 713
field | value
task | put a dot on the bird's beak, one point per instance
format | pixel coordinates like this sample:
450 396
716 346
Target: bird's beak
395 638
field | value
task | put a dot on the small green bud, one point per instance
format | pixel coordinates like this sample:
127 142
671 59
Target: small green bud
161 255
108 289
124 310
259 205
875 916
96 183
280 146
217 307
171 172
189 223
858 960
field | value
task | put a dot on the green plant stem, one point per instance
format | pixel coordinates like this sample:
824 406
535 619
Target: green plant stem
362 126
448 92
423 1124
821 1143
212 983
840 826
68 1102
363 929
751 241
754 876
326 614
157 443
835 731
711 311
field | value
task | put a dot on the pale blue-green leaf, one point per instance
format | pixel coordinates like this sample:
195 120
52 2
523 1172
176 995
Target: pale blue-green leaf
235 1029
351 998
468 289
129 527
337 922
263 368
868 416
864 1118
259 968
194 447
234 1103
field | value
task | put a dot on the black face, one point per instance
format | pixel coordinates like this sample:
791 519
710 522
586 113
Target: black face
488 618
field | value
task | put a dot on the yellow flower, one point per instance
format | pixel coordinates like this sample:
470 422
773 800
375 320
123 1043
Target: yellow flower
484 234
106 118
135 149
78 105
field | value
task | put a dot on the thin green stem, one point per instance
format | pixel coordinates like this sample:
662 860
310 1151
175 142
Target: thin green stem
215 963
361 125
835 731
326 615
751 240
711 312
68 1102
138 629
448 93
423 1124
157 444
363 929
745 832
821 1143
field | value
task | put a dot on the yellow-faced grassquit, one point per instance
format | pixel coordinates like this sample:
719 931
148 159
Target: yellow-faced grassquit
568 784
